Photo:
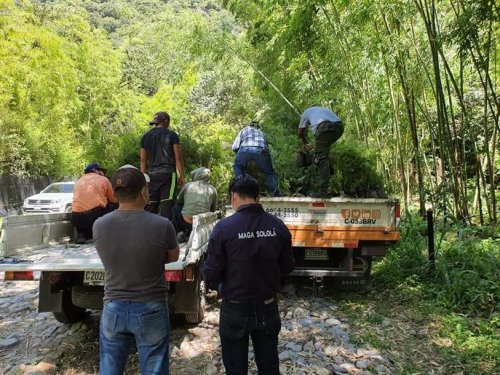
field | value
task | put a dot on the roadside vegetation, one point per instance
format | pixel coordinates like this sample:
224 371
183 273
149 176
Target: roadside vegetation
445 321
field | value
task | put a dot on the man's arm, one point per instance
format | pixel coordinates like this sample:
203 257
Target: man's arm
214 265
110 194
236 144
302 135
286 259
172 255
179 163
180 196
144 160
213 207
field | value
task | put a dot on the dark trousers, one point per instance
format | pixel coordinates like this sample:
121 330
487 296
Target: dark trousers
261 322
179 223
326 135
161 193
83 221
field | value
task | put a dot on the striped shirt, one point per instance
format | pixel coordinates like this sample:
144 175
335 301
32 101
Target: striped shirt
249 137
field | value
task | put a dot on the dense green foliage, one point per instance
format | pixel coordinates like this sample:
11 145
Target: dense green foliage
463 291
415 83
81 80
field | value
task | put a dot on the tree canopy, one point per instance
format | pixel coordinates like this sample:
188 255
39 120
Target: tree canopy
414 81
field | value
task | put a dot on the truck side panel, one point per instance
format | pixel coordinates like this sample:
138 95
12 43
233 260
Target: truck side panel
22 234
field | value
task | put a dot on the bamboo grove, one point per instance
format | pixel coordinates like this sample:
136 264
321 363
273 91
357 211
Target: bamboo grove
414 81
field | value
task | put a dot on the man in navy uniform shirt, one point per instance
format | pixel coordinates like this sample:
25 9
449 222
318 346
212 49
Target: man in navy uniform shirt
248 253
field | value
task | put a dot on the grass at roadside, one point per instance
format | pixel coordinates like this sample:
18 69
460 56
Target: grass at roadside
442 322
419 336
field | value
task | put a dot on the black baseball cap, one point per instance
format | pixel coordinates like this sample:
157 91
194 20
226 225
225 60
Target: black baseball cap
129 178
92 167
160 117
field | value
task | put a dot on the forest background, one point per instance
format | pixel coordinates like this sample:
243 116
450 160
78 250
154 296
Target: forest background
414 81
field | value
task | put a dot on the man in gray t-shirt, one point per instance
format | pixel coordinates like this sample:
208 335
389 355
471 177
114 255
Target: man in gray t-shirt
326 128
134 246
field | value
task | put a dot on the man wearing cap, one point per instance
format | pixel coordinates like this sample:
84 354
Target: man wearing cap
248 253
196 197
161 156
250 146
134 245
327 128
93 197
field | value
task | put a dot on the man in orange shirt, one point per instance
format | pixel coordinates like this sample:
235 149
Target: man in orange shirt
93 197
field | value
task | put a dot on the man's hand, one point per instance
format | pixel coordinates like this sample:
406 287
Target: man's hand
181 181
308 147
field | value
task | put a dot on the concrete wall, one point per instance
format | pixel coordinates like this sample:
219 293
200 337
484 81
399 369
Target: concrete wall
14 189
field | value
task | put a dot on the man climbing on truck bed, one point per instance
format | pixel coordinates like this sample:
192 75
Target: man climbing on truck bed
196 197
327 128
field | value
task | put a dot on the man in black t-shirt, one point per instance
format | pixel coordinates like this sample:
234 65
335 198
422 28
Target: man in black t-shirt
161 152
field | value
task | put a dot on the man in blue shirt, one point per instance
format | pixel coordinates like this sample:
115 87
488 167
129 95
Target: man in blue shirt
327 128
248 253
250 145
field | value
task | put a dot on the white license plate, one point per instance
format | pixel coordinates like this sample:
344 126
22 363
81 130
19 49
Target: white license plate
315 254
94 278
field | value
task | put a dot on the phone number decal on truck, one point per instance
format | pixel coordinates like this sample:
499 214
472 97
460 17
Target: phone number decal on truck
283 211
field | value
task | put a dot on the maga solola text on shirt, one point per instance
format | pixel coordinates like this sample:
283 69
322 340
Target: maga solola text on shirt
257 234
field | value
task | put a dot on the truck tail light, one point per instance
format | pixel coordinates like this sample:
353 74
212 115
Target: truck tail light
173 276
189 273
19 275
398 209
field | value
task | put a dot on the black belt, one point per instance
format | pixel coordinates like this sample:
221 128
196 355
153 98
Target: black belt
264 301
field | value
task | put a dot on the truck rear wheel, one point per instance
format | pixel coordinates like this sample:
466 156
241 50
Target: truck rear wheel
69 313
88 297
197 317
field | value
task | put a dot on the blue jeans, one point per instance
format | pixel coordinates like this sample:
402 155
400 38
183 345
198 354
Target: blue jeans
262 158
257 320
146 322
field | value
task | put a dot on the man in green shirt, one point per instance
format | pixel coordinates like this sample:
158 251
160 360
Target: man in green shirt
196 197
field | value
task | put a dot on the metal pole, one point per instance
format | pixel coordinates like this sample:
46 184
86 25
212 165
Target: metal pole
430 239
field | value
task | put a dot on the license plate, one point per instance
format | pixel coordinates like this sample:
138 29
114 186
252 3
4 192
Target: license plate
315 254
94 278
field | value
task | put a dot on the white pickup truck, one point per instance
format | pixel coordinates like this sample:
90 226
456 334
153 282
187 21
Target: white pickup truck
71 276
337 237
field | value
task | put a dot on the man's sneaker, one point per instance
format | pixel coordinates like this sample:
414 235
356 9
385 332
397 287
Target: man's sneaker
81 239
181 237
319 194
